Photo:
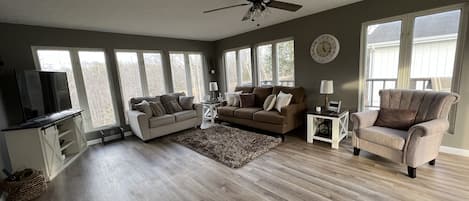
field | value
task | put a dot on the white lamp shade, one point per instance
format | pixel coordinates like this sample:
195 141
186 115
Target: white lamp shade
327 87
213 86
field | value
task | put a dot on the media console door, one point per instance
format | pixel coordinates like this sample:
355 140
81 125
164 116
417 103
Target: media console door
51 149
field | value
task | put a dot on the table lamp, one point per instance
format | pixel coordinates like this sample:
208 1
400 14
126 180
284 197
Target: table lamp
327 88
213 87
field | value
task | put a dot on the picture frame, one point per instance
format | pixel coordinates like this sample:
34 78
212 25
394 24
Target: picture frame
334 106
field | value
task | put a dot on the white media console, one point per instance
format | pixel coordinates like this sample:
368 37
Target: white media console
49 146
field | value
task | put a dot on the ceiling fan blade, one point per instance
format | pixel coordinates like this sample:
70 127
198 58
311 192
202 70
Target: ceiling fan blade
233 6
284 5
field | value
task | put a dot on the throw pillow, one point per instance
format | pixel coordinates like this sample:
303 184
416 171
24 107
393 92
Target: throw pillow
396 118
166 101
175 106
144 107
247 100
186 102
283 100
158 109
269 102
232 98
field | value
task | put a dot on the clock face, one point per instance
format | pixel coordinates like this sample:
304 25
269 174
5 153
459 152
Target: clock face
325 48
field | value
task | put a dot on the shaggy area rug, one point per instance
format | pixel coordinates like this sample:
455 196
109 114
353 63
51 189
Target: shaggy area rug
231 146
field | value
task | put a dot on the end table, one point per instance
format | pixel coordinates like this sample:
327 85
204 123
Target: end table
210 108
339 126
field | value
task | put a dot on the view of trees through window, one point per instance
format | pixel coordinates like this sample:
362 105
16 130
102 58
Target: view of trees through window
187 70
238 69
98 90
155 74
282 71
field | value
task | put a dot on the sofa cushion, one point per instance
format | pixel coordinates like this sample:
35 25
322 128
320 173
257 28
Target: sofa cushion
185 115
246 113
247 100
232 98
137 100
388 137
261 94
169 101
144 107
186 102
396 118
161 121
244 89
157 109
283 100
297 92
226 110
272 117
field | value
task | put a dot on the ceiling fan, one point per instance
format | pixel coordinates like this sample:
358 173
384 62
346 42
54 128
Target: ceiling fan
259 6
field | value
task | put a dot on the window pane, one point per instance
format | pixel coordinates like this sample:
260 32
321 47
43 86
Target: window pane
98 90
245 65
155 73
230 68
197 77
178 72
286 63
434 51
264 63
129 76
60 61
382 59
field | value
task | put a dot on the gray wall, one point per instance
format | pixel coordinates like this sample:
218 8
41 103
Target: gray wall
15 51
345 23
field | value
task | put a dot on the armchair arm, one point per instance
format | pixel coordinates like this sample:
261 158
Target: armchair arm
364 119
139 123
424 140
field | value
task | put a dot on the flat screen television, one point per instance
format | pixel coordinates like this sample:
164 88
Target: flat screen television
43 93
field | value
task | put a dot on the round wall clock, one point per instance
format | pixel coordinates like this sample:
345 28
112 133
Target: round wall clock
325 48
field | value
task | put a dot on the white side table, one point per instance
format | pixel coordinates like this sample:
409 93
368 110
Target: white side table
339 126
210 109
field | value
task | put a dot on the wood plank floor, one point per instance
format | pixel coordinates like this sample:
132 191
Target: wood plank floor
132 170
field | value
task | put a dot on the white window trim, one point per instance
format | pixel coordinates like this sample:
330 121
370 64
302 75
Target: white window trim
79 82
238 66
274 59
405 53
188 70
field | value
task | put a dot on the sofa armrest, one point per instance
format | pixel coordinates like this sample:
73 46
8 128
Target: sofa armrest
364 119
424 140
294 113
433 127
198 109
139 123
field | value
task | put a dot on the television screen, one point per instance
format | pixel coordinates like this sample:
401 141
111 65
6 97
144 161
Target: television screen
43 93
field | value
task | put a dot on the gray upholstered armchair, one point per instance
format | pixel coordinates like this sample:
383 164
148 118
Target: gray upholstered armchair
407 129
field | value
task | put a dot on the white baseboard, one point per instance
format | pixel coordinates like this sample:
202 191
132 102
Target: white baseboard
109 138
454 151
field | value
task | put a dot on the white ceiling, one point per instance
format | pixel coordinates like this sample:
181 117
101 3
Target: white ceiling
166 18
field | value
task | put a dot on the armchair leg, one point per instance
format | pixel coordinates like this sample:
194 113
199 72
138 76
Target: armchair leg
412 172
432 162
356 151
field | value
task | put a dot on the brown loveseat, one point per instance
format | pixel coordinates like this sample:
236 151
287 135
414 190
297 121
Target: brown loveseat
290 117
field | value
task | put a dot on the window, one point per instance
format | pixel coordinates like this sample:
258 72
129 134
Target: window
423 60
188 74
275 63
140 74
238 70
98 91
88 81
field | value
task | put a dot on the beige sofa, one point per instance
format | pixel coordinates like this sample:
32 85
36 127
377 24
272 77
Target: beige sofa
416 146
147 128
289 118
